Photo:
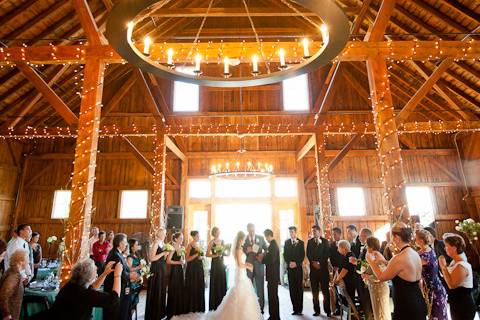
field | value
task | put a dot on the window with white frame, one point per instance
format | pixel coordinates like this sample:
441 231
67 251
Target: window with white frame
61 204
200 224
230 188
295 93
350 201
285 187
186 97
133 204
420 203
199 189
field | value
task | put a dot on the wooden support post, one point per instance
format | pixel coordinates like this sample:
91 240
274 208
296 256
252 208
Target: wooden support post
157 216
323 183
388 146
302 202
78 225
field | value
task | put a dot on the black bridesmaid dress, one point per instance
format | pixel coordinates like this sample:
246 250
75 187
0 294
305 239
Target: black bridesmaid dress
157 289
218 282
195 284
176 289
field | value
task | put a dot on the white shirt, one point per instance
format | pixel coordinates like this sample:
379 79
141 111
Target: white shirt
468 281
91 241
15 244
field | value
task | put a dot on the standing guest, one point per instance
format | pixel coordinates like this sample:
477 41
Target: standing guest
110 236
93 238
157 287
346 270
431 281
293 254
405 271
84 287
120 245
135 264
3 252
218 276
19 242
37 252
438 245
335 257
459 278
194 277
379 290
318 252
386 247
100 252
254 248
11 285
353 238
176 283
272 264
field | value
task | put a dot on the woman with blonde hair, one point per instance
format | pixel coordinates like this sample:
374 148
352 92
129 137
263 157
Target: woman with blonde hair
11 286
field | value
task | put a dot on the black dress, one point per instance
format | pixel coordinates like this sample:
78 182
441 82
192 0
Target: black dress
195 284
176 289
462 304
124 310
408 299
218 282
157 290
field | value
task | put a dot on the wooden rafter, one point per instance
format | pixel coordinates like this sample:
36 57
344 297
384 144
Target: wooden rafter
147 93
361 17
335 161
306 148
175 149
377 30
94 36
138 155
122 91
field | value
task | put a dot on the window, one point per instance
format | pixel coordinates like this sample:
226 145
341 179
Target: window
199 189
351 201
286 187
420 203
61 204
295 94
133 204
257 188
287 219
200 224
185 97
381 233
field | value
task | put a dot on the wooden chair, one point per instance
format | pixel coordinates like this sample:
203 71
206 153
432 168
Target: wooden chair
349 309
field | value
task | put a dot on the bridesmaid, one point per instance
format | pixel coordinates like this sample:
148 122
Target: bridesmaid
218 277
194 277
431 281
157 286
176 283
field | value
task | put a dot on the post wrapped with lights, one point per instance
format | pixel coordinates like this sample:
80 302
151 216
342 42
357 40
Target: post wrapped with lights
157 216
323 183
247 170
334 32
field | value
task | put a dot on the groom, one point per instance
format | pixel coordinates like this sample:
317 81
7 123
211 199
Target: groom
254 248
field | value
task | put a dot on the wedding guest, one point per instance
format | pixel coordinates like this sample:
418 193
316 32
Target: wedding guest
19 242
37 252
272 264
438 245
218 276
135 264
100 251
459 278
176 284
335 257
379 290
110 236
385 248
352 237
157 287
405 271
3 252
11 285
93 238
293 255
194 276
254 248
346 270
318 253
83 287
119 245
431 280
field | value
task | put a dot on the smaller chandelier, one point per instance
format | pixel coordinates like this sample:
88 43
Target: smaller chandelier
240 170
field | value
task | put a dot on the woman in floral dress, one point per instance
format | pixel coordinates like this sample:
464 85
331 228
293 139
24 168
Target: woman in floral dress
432 286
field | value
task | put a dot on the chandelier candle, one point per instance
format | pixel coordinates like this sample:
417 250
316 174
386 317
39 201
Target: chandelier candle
146 45
281 54
306 51
170 57
255 64
198 60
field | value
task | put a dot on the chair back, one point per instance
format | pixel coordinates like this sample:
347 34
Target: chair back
30 299
350 306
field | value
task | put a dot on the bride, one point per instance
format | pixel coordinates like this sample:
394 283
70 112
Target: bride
241 302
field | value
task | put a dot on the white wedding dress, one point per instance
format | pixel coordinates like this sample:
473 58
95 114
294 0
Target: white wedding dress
239 303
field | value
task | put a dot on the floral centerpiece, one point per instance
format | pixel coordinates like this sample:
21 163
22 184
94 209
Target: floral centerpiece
50 242
469 227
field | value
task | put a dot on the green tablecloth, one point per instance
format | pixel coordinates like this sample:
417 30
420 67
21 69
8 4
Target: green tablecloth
43 273
34 308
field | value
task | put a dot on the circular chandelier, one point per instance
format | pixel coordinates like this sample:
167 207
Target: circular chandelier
267 61
242 170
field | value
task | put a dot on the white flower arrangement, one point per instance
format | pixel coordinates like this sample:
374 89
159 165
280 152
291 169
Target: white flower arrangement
52 239
468 227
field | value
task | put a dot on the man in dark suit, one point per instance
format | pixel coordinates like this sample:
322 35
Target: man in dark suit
272 263
254 248
354 239
318 252
293 254
335 257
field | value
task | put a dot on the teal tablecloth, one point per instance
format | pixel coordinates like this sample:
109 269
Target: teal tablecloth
43 273
34 308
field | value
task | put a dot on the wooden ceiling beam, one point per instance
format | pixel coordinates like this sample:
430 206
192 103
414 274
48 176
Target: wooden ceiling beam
150 99
465 11
339 157
89 25
138 155
361 17
48 93
377 30
230 12
121 92
306 148
13 14
175 149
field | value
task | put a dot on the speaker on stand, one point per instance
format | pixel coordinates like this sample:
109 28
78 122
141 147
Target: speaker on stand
175 217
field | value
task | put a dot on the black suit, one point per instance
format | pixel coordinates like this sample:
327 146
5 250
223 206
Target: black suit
356 247
123 312
272 263
318 250
295 252
258 274
362 290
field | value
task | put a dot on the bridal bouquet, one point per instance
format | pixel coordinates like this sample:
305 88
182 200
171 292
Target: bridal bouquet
168 247
362 266
181 251
199 250
145 271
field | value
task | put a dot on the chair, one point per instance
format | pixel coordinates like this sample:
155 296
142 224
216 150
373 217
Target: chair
348 309
30 299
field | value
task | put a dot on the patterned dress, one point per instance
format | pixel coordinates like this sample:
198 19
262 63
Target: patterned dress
436 291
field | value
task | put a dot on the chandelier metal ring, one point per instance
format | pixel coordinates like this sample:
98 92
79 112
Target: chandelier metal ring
126 11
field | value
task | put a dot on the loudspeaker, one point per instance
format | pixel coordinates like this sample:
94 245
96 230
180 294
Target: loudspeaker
175 217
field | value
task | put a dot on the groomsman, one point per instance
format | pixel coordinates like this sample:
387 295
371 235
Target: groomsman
293 254
254 248
318 252
272 263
